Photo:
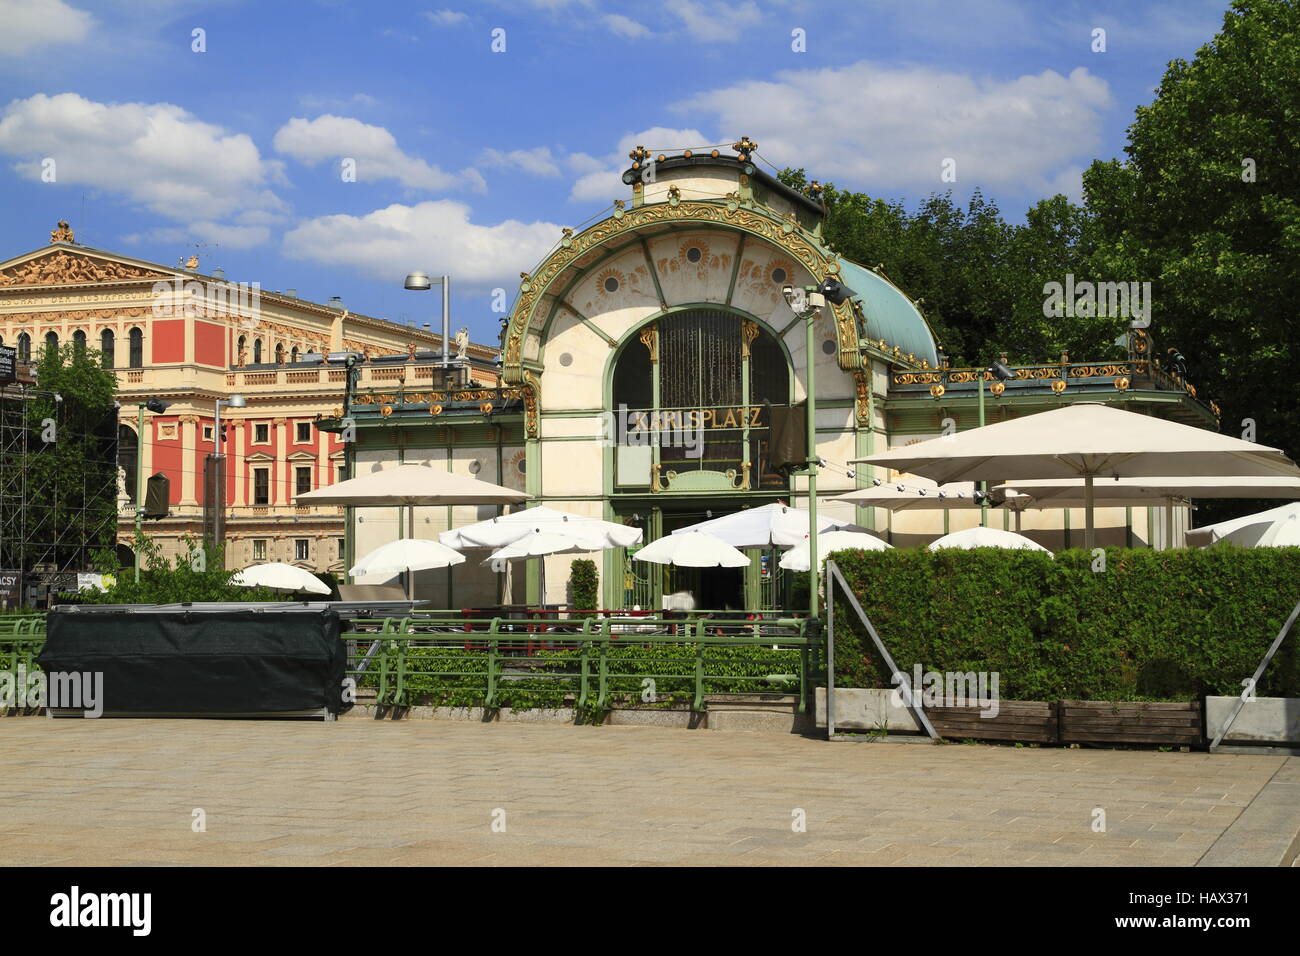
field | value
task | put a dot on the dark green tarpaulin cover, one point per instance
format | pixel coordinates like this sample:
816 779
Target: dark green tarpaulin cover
203 662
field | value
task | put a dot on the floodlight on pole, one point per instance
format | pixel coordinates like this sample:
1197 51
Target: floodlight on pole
421 282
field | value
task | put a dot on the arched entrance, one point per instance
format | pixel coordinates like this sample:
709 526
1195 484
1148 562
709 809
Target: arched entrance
693 395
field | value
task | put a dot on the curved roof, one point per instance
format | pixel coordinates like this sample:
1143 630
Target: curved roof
889 314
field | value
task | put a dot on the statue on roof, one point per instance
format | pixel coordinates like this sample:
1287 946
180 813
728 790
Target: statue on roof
63 233
462 341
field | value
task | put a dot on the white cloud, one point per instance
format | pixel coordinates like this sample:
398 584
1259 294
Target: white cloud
32 24
624 26
537 161
374 148
885 128
445 18
601 179
713 24
380 244
154 154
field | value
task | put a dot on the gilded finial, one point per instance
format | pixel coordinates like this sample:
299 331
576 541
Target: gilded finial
744 147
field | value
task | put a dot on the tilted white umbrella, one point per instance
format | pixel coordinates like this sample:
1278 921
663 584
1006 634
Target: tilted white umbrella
692 549
914 494
1276 527
502 530
408 485
796 559
774 524
1085 440
985 538
538 542
407 555
280 577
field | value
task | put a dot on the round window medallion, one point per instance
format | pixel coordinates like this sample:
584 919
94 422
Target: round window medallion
829 346
523 465
693 254
566 359
611 284
475 466
778 276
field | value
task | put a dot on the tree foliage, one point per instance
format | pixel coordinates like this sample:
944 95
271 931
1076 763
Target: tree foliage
196 575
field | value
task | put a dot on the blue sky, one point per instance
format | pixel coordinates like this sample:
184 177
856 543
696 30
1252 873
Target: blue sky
470 161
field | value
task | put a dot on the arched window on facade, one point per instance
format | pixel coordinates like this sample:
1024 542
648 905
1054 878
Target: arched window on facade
127 459
719 377
107 346
279 353
52 342
293 355
79 342
24 348
257 351
136 339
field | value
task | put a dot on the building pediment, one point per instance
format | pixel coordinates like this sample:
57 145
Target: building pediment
60 266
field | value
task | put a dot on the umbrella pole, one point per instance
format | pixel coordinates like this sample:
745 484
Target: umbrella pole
1169 523
1089 532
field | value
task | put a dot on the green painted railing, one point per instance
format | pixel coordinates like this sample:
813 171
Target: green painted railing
591 664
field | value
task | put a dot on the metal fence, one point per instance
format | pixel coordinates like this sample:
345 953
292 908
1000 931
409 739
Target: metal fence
588 664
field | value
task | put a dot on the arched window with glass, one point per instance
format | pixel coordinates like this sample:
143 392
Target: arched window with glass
136 340
257 351
107 348
51 343
711 380
79 342
24 348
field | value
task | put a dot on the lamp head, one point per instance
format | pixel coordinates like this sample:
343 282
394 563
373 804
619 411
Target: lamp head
236 401
418 282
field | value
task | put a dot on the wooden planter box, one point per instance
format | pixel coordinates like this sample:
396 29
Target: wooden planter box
1131 722
1018 720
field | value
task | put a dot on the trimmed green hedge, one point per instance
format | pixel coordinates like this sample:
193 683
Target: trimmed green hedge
1155 625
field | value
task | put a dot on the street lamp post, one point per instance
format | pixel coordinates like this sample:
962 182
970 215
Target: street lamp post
157 406
807 303
420 282
217 490
1004 374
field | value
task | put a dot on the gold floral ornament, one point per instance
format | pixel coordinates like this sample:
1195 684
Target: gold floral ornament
1121 383
386 410
1058 386
997 388
937 391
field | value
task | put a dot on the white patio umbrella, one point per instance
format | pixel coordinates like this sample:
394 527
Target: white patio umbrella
539 542
774 524
796 559
408 485
1275 528
280 577
407 555
985 538
914 493
1085 440
502 530
692 549
1163 491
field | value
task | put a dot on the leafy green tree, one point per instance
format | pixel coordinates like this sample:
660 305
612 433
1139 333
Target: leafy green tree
70 461
196 575
1207 207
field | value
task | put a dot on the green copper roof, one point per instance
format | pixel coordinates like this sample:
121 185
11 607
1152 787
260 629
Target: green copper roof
889 313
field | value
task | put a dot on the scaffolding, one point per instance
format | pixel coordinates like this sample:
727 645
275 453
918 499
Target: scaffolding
58 481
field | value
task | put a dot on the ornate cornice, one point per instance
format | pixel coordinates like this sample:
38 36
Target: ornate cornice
61 268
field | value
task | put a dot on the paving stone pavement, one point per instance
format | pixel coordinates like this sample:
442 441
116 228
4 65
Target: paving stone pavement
107 792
